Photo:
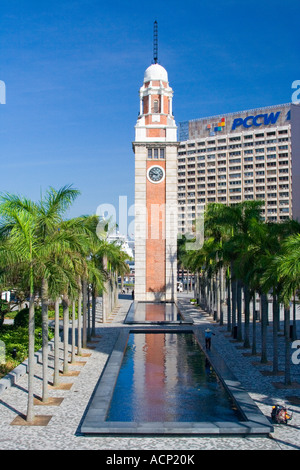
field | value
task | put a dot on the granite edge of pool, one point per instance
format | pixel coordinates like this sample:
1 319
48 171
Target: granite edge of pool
94 423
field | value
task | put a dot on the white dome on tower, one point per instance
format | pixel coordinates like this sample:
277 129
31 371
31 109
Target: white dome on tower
155 72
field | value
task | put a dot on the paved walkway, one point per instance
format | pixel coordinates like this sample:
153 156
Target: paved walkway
62 430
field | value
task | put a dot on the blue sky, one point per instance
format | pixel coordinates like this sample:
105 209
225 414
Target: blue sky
73 69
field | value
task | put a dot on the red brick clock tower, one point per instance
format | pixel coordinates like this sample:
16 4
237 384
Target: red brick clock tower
155 149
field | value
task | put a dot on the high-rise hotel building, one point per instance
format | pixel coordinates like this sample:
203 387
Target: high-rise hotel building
240 156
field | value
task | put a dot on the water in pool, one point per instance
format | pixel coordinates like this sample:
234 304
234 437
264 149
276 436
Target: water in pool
166 377
156 312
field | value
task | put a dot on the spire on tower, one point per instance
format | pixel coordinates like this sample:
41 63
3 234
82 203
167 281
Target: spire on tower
155 43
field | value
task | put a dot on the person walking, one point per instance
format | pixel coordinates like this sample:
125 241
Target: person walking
208 335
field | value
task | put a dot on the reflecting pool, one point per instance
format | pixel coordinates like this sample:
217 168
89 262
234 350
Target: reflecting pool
156 312
165 376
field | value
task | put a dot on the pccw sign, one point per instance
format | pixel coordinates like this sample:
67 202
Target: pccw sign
258 120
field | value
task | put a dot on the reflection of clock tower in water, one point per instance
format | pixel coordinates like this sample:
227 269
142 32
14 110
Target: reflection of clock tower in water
155 149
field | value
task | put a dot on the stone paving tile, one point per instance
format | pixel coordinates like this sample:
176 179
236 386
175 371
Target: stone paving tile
62 431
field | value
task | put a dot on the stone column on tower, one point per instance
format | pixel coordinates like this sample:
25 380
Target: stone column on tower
155 149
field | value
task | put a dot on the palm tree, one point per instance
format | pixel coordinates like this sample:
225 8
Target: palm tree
74 260
218 230
20 248
96 278
246 245
260 242
110 260
273 277
230 225
50 212
47 216
286 266
240 219
61 274
118 261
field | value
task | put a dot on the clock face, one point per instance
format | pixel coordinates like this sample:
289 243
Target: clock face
156 174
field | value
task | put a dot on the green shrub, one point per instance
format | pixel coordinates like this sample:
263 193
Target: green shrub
21 319
17 338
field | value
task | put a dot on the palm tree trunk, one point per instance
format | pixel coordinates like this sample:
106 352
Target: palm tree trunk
247 316
116 289
208 296
205 292
222 296
31 328
218 296
287 378
275 333
111 297
233 303
105 293
31 341
294 319
94 299
113 286
254 351
73 331
228 304
66 303
212 296
239 310
45 335
279 313
84 319
79 322
264 321
196 295
201 288
108 298
88 313
56 344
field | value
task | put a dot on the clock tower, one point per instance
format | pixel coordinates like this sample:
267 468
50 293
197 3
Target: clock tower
155 149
